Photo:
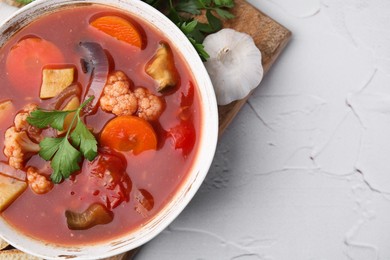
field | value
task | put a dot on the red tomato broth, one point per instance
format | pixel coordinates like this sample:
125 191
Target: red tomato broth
159 172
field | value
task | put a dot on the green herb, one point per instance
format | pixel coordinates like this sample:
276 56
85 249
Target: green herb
182 13
65 157
24 2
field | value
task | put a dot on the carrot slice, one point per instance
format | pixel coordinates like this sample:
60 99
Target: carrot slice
26 60
119 28
126 133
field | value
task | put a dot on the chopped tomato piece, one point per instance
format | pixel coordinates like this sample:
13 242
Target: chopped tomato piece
129 133
119 28
108 179
26 61
183 136
188 99
144 201
186 102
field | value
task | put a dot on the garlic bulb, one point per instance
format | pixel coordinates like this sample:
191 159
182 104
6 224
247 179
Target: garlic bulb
234 65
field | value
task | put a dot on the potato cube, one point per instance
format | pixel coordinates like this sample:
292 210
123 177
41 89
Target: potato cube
73 104
10 190
55 80
6 109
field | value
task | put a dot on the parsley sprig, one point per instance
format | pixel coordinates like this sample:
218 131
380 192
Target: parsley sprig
64 156
182 13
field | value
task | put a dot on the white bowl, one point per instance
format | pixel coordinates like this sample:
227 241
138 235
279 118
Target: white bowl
207 146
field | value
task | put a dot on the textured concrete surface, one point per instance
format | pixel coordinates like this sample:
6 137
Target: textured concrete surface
303 172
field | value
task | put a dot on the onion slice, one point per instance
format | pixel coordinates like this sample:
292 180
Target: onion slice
9 171
68 93
97 64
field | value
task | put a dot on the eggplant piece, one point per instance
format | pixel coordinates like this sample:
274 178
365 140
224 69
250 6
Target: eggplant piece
162 68
95 62
96 214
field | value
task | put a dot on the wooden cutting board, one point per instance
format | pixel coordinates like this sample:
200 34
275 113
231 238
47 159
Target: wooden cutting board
269 36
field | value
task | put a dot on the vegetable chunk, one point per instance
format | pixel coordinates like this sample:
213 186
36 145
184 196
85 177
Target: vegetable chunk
26 60
96 214
6 108
10 190
121 101
54 81
18 147
162 68
129 133
119 28
73 104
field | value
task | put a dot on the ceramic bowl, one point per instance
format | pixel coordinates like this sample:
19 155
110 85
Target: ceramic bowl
208 139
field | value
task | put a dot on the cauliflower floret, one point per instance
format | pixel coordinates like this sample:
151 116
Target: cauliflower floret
150 106
20 120
18 147
127 105
38 182
117 97
117 84
120 100
21 123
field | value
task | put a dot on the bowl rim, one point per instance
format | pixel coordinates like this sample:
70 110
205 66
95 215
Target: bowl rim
203 159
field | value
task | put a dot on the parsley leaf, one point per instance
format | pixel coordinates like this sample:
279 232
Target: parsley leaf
49 146
83 138
182 13
44 118
65 161
65 157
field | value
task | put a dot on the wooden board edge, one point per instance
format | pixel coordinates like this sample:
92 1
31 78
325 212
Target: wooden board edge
269 36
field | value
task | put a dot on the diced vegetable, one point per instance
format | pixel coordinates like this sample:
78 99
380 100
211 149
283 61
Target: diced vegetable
108 178
183 136
10 190
97 65
73 104
54 81
129 133
144 201
162 68
96 214
119 28
6 109
58 101
186 102
26 60
9 171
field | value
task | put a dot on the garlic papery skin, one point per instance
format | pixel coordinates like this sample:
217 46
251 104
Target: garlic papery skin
234 65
